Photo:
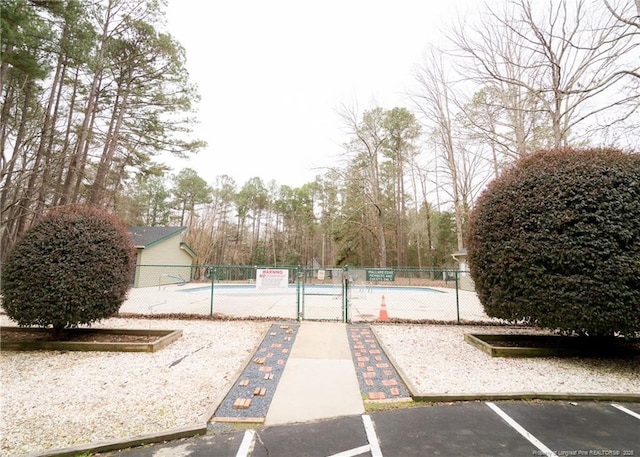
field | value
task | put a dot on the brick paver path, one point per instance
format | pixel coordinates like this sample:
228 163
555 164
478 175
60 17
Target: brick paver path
377 376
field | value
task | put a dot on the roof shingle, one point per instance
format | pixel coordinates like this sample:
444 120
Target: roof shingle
146 236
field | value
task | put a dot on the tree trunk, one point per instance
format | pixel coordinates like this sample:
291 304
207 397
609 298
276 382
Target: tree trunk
76 168
96 195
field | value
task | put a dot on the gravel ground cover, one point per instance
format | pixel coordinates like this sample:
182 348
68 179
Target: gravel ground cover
437 360
56 399
52 400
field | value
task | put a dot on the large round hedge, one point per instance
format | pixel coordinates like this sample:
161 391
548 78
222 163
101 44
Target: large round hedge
74 266
555 242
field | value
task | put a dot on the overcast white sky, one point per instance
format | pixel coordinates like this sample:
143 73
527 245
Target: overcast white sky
272 74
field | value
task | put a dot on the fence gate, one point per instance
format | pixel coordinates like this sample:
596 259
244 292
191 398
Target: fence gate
323 294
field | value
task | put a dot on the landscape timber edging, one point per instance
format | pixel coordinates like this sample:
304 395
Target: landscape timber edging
557 349
125 443
165 337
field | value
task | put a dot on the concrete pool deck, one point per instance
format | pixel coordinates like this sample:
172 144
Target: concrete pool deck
365 303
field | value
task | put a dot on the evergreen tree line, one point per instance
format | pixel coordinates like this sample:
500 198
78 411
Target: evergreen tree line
92 93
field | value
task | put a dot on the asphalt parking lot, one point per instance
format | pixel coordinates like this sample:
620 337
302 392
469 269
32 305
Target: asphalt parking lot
510 428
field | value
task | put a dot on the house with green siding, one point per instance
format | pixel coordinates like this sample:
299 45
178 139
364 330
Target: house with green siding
162 256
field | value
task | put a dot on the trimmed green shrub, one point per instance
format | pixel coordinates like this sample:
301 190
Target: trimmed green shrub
74 266
555 242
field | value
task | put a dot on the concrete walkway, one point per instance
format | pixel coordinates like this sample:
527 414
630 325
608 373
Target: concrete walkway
319 380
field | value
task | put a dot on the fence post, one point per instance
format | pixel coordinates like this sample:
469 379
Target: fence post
298 294
345 294
457 298
213 276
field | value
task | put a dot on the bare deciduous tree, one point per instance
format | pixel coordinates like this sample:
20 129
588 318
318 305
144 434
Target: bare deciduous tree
434 100
567 59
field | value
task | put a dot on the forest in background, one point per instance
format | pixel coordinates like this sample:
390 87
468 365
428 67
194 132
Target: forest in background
94 93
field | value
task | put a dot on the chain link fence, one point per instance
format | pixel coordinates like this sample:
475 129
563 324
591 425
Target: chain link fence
346 294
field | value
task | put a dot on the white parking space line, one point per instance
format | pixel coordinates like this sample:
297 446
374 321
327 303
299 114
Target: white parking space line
625 410
371 436
247 444
353 452
532 439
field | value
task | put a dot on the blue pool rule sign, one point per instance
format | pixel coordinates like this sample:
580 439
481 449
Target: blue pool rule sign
380 274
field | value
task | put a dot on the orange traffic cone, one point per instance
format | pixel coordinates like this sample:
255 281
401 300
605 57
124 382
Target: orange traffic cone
383 311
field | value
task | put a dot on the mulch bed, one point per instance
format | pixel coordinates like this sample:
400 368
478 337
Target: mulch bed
555 345
551 341
26 334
